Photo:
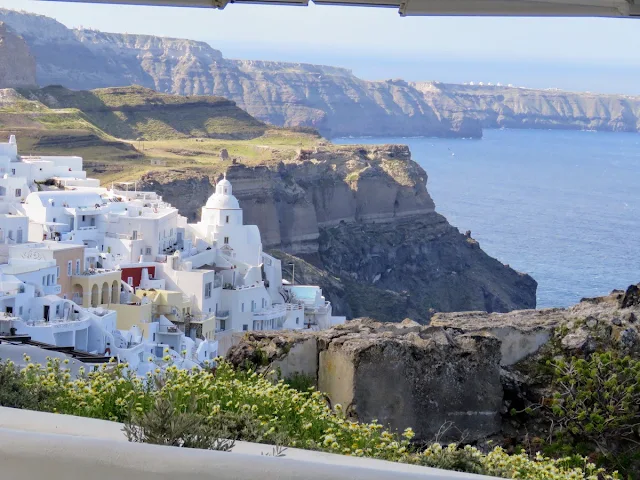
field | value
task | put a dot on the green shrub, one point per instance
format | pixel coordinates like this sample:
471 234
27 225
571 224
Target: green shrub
165 424
597 399
300 381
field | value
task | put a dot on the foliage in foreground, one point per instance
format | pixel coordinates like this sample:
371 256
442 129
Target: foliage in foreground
247 406
597 399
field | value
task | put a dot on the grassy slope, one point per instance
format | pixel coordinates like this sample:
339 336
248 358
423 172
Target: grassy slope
119 131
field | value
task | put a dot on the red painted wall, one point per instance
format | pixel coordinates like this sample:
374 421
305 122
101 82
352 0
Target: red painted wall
136 274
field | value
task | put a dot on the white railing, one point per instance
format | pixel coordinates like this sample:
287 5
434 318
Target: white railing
10 293
124 236
270 313
93 272
88 228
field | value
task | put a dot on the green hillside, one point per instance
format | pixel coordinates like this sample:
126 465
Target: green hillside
136 112
124 132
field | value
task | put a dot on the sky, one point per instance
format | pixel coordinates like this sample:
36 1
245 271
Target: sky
599 55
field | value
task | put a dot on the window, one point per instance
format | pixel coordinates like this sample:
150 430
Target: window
148 251
18 192
226 240
54 219
20 311
253 306
207 291
297 320
243 306
69 268
245 327
171 232
44 280
227 218
13 171
57 271
130 281
77 267
1 235
83 218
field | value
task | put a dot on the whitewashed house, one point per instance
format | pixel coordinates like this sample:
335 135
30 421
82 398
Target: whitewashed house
144 281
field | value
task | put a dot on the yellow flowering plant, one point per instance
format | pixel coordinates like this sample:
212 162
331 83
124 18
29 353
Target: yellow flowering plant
284 415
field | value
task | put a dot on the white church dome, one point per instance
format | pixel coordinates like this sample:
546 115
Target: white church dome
223 198
222 202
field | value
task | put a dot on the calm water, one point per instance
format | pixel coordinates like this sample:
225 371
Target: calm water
562 206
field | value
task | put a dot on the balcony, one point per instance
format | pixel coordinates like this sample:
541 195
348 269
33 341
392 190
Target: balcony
169 330
11 292
125 236
94 272
222 314
277 311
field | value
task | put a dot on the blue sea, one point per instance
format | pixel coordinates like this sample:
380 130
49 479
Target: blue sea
563 206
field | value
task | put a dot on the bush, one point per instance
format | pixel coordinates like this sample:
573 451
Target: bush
598 399
300 381
164 424
15 392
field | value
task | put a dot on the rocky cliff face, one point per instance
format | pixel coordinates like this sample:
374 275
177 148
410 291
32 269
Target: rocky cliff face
330 99
359 220
510 107
17 65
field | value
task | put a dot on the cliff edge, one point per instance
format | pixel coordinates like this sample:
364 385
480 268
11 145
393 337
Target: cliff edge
358 220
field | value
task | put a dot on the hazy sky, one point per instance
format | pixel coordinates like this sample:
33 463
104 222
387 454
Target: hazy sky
581 54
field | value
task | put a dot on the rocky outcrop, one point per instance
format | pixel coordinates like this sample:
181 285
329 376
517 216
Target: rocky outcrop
362 215
17 65
403 375
468 368
602 323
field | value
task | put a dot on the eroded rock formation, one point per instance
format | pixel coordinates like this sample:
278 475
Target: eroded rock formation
17 65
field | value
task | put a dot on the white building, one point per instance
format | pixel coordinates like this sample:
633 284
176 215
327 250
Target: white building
213 273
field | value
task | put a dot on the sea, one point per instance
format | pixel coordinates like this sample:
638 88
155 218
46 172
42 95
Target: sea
562 206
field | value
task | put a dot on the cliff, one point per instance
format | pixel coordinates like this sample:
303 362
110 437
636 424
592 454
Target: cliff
17 65
513 107
359 221
330 99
